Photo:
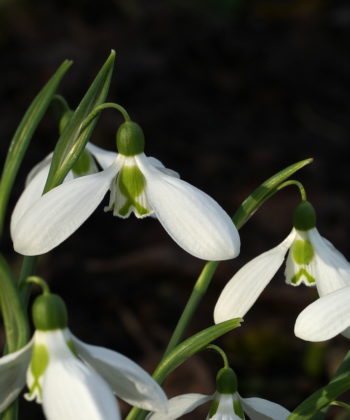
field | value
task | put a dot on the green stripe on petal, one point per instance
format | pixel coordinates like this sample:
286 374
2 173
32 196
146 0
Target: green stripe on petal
302 251
131 184
297 278
38 365
238 409
213 408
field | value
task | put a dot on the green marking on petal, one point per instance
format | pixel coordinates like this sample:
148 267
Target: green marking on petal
302 251
213 408
131 184
238 409
38 365
82 165
72 348
296 279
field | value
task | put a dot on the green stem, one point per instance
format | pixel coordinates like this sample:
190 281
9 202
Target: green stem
198 292
221 352
28 268
11 412
297 184
95 112
341 404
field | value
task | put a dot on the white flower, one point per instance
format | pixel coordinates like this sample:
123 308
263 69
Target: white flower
224 407
226 404
74 380
138 184
312 260
325 318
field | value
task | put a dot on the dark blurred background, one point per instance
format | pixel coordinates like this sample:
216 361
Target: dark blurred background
228 92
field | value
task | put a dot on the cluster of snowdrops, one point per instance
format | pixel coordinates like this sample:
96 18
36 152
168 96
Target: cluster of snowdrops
75 380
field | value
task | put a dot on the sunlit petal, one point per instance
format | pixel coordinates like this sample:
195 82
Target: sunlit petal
127 380
58 213
241 292
13 368
193 219
104 157
260 409
325 318
332 270
180 405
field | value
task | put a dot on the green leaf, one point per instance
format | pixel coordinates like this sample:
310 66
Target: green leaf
185 350
15 321
192 346
319 400
73 139
263 192
24 134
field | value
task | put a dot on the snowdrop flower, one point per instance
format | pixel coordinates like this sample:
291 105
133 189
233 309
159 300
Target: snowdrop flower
312 260
138 184
226 404
71 379
325 318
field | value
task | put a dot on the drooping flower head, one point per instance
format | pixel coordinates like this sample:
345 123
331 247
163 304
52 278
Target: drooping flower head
312 260
71 379
138 184
226 403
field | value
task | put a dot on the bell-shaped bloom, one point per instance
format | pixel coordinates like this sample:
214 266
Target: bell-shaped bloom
325 318
71 379
226 405
312 260
138 184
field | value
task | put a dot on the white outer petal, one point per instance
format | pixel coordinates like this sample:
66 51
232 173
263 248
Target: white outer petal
325 318
127 379
104 157
60 212
194 220
72 391
13 370
332 270
261 409
38 168
180 405
244 288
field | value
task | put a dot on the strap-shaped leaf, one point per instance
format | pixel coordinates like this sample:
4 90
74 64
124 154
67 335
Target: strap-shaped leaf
24 134
15 321
319 400
73 139
263 192
192 346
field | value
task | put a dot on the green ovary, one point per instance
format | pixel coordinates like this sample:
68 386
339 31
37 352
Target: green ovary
131 183
38 365
302 252
82 165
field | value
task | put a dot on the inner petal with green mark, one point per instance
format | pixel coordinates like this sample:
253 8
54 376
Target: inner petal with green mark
237 407
299 268
38 365
128 193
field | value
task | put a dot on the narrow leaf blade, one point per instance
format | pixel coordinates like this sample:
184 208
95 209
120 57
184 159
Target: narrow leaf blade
264 191
72 141
24 134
